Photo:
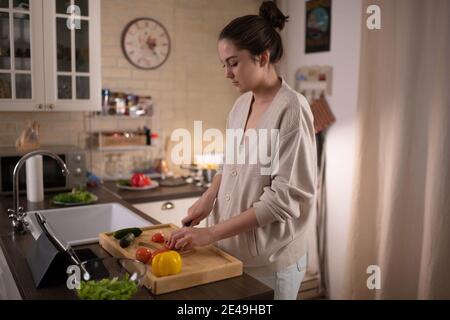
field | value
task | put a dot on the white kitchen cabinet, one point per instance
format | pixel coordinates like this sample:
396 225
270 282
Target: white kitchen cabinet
50 61
168 211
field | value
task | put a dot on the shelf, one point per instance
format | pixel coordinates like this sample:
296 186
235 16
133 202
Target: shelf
121 117
124 148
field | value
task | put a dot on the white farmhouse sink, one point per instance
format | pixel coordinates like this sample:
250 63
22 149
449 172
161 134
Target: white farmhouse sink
82 224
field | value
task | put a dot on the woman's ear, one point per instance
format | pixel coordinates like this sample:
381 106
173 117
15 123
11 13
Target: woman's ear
264 58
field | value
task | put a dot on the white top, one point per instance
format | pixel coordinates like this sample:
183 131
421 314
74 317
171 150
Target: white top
284 195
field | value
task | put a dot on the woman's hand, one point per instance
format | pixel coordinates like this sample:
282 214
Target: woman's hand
187 238
199 210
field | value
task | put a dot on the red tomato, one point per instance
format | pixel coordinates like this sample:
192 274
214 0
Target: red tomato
146 181
143 255
157 251
158 237
140 180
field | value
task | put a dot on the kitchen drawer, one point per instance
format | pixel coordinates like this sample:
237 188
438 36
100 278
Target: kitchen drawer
168 211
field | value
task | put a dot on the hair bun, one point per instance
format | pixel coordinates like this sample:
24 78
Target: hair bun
269 11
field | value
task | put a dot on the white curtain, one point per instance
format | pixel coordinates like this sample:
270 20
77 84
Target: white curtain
401 207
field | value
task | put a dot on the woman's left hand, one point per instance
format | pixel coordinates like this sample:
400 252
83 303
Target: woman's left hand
188 237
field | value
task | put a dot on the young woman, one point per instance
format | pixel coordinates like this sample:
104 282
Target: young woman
255 215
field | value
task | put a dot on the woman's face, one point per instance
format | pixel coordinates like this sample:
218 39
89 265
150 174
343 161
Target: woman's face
243 72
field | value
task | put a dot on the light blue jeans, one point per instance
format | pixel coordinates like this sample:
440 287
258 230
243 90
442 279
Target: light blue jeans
285 282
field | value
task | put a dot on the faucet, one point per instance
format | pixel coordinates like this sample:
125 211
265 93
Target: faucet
16 214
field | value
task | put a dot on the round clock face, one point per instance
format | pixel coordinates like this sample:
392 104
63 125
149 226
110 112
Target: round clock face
145 43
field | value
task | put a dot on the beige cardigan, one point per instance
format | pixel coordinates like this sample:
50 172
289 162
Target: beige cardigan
284 199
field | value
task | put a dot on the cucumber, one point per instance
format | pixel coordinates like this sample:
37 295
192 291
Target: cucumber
126 241
119 234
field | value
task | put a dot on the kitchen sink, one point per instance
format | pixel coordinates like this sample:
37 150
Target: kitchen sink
82 224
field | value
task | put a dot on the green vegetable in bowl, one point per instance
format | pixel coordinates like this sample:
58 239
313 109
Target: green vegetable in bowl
107 289
76 196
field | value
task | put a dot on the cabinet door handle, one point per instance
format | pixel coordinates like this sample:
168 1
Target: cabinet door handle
51 106
40 106
167 205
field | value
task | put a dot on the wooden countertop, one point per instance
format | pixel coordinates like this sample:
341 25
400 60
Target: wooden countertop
15 247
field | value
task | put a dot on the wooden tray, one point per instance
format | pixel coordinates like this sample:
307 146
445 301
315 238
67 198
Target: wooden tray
200 265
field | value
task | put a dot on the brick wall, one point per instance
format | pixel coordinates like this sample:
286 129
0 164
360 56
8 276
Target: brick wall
189 86
55 127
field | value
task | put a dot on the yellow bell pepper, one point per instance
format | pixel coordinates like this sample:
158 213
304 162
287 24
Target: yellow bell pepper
166 263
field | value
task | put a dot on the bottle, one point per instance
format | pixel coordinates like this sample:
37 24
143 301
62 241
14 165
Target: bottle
148 138
120 103
105 100
153 137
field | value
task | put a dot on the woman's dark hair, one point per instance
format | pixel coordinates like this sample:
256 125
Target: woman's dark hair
258 33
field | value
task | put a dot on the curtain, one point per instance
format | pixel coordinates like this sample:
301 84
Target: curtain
400 218
321 216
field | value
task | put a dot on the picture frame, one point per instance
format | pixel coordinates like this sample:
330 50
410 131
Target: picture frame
317 26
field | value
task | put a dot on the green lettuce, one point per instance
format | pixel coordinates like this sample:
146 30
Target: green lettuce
76 196
107 289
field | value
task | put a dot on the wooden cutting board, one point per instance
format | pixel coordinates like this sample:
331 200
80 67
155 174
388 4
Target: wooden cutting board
199 266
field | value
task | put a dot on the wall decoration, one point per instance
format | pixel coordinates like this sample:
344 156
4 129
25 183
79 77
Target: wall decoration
318 26
145 43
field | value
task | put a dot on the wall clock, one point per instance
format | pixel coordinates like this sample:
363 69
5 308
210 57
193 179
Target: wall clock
145 43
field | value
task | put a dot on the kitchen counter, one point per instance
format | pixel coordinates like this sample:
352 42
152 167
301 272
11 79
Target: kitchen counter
15 247
158 194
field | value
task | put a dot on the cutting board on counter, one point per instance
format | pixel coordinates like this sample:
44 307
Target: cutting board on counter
200 265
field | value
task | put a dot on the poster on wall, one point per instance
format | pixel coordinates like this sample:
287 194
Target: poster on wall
318 26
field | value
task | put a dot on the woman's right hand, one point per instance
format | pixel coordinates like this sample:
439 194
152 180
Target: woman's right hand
199 210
